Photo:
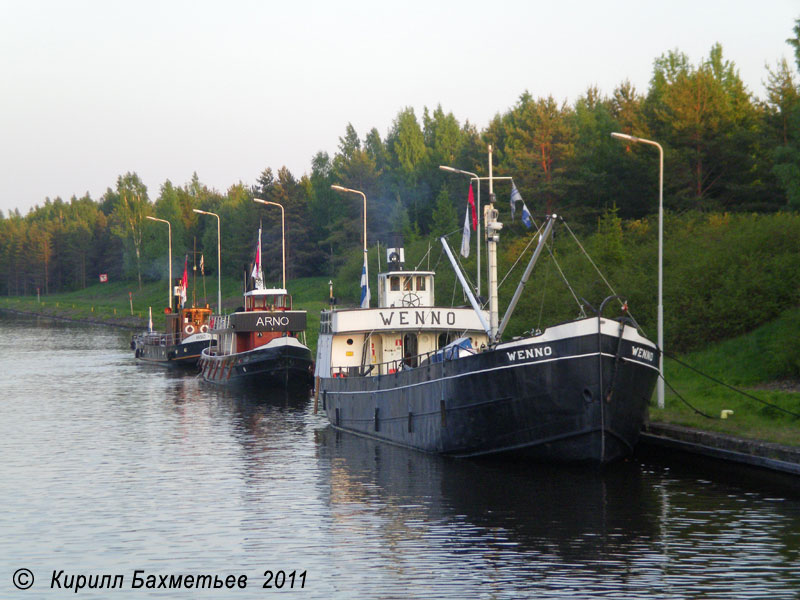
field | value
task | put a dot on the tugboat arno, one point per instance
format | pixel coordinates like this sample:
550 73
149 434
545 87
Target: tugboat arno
440 379
259 345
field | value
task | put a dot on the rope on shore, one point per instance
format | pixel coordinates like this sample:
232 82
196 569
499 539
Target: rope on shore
722 383
685 401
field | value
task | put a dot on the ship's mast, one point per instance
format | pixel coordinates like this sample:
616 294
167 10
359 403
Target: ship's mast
492 229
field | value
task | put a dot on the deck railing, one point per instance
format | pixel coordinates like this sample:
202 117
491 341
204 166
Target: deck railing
403 364
325 321
159 339
219 322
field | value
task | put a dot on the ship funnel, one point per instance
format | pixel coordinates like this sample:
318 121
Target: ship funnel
395 255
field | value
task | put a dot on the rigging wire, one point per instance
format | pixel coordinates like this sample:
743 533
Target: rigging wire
613 292
544 290
438 260
519 258
566 282
423 258
577 241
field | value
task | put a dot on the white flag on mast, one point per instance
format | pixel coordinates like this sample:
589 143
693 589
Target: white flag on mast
256 274
465 236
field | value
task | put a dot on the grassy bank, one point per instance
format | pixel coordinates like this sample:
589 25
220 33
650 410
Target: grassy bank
104 303
763 363
123 304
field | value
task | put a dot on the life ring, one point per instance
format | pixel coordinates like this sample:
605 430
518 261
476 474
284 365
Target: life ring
189 329
204 328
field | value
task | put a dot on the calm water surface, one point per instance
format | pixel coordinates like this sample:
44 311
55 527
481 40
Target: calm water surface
108 467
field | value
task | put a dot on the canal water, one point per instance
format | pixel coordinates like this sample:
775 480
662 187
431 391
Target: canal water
108 467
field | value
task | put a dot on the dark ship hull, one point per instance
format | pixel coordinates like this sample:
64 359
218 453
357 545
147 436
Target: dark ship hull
579 395
285 364
184 339
184 354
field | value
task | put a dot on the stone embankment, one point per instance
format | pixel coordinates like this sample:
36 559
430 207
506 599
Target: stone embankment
776 457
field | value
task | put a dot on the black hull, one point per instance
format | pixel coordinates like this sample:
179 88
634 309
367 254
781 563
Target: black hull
285 366
178 355
561 400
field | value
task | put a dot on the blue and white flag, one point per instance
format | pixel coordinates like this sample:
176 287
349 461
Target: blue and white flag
526 216
465 236
515 195
364 284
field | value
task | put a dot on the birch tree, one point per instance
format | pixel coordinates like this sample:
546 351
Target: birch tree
130 213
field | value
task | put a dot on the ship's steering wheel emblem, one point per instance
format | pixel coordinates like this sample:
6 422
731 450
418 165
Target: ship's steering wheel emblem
411 299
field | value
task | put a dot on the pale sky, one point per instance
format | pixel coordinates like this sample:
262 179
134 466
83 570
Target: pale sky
92 89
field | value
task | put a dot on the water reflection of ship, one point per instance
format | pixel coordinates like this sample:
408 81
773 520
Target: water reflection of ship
580 513
244 404
247 399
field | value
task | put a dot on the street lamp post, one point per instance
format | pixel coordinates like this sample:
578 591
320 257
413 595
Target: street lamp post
340 188
169 238
219 261
635 140
283 234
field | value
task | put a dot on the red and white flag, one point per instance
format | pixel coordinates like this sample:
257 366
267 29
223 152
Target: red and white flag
256 274
471 200
184 280
465 235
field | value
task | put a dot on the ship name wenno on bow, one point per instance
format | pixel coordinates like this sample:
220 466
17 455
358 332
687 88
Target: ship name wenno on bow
442 379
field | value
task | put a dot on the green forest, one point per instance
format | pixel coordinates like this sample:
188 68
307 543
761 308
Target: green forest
731 196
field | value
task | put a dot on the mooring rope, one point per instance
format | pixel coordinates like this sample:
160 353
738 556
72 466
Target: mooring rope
684 400
730 387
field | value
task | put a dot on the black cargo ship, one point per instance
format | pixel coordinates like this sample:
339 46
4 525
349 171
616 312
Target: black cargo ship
440 379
